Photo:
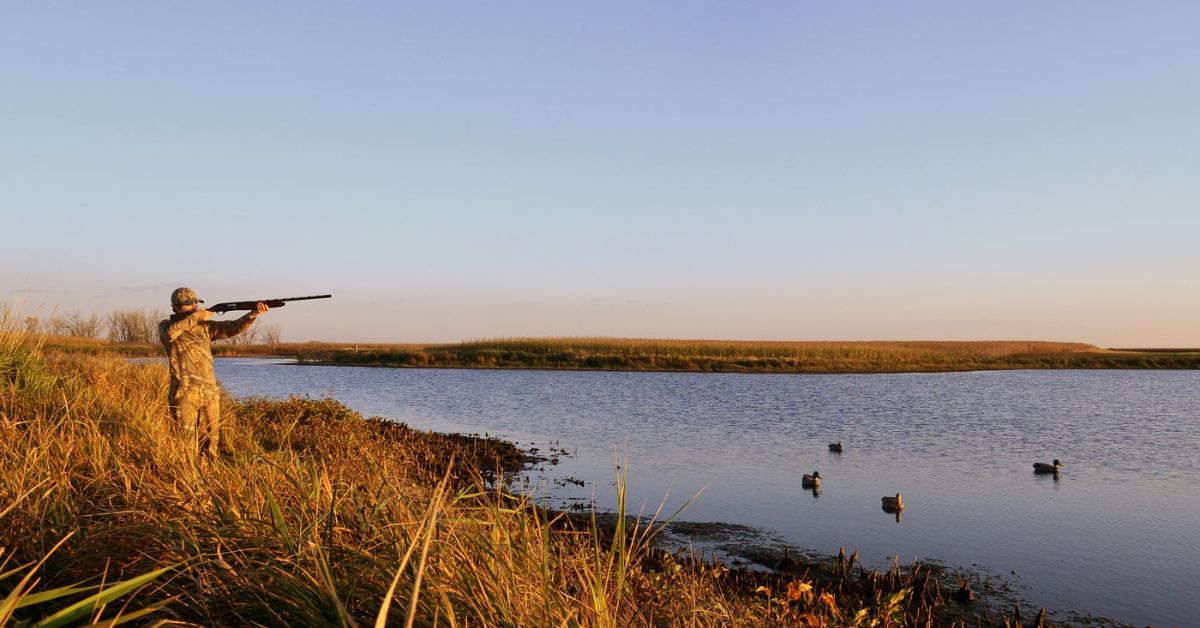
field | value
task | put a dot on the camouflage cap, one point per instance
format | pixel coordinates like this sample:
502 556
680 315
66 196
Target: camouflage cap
184 296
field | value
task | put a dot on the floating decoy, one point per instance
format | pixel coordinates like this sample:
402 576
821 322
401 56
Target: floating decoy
811 481
893 504
1041 467
835 447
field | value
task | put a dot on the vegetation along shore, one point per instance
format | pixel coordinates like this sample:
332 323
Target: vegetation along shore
318 516
696 355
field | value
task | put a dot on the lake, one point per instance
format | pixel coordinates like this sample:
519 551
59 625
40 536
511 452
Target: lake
1116 534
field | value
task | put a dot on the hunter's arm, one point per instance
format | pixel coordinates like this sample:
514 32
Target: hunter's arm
219 330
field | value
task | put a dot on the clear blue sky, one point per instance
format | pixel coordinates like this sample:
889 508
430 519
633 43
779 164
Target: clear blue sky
792 170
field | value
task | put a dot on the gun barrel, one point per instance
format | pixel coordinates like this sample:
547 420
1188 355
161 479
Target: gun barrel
317 296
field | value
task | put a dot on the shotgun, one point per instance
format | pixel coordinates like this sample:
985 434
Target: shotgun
231 306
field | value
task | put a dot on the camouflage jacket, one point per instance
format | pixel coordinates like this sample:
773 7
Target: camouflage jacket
188 341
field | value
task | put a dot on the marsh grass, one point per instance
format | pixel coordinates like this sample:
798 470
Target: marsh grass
744 356
721 356
317 516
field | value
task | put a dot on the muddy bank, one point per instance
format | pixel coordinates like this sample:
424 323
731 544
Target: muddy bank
754 562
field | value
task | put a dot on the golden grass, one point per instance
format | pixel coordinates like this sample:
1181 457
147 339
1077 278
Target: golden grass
745 356
736 356
816 350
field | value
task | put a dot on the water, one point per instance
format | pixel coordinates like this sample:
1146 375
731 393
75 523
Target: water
1117 534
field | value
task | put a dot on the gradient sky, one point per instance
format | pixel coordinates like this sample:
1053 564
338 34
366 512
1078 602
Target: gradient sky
792 170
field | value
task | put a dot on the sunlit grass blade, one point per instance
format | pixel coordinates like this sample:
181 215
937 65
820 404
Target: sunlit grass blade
12 601
125 618
53 594
73 613
279 520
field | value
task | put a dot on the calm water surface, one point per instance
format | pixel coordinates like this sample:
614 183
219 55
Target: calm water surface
1117 534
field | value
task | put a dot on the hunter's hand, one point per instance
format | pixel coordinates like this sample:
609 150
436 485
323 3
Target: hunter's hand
260 308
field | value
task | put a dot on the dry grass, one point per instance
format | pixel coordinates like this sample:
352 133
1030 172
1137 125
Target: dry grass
730 356
745 356
321 517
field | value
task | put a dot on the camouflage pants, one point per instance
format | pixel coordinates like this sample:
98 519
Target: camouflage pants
197 412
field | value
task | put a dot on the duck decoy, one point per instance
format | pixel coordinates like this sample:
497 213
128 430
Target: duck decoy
1041 467
893 504
836 447
811 481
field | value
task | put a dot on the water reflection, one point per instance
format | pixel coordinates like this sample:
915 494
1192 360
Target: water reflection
1052 479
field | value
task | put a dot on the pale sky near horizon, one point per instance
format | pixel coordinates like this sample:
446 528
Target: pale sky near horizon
773 170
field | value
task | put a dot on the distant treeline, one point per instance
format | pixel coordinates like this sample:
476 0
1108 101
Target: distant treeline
130 326
747 356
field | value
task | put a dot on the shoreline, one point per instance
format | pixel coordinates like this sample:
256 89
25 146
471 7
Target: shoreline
303 481
467 367
759 555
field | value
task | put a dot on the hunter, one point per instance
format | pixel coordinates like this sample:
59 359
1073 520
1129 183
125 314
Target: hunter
194 397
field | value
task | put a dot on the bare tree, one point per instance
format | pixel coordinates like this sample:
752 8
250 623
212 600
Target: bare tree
73 324
265 333
134 325
55 326
8 318
248 337
271 333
